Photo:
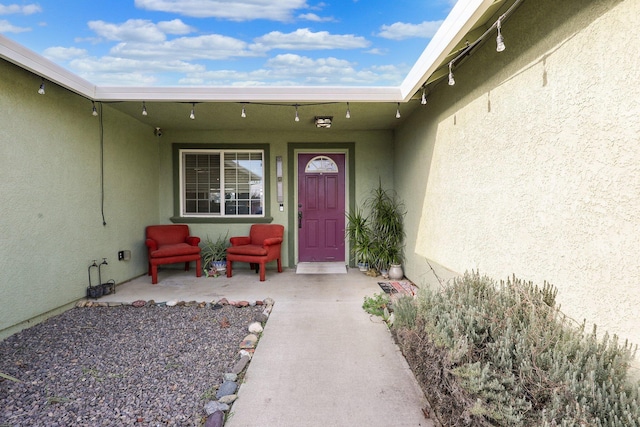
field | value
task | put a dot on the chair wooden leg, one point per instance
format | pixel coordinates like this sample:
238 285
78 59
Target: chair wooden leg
229 273
186 266
154 274
263 272
199 267
279 265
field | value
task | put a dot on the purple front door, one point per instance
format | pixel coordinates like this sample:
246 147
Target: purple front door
321 204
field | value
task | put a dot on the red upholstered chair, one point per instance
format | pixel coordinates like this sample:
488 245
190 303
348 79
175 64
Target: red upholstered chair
170 244
259 247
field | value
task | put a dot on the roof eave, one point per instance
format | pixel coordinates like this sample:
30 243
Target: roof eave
458 23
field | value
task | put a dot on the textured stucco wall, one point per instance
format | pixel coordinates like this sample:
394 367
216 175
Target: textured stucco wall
50 198
530 164
373 160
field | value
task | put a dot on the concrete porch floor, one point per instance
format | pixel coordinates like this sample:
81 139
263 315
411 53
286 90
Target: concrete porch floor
321 360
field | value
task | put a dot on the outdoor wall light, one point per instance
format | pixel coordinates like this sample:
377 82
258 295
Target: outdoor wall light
279 182
323 122
41 90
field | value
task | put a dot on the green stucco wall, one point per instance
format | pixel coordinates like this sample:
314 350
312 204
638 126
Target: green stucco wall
51 223
530 164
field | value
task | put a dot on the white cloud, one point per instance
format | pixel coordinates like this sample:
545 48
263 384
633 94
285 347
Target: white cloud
139 30
235 10
59 53
315 18
292 70
8 27
402 31
213 46
28 9
304 39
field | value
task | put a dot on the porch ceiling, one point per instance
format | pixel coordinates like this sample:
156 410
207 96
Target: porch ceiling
272 116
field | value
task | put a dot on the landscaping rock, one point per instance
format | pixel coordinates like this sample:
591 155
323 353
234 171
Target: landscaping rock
139 303
269 301
261 317
230 376
226 388
172 303
249 341
228 399
216 419
213 406
240 364
255 328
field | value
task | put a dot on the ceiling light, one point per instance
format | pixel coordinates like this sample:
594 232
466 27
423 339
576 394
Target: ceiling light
499 40
144 109
297 119
398 111
423 101
324 122
244 113
451 79
94 111
192 116
348 115
41 90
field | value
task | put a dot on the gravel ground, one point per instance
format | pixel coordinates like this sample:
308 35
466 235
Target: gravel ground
118 366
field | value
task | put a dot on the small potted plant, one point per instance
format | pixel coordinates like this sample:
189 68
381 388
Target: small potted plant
214 254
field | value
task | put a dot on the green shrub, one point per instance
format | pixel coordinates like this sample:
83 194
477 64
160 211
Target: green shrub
503 354
377 304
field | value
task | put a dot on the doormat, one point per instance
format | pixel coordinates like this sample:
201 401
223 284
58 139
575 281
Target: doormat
321 268
398 287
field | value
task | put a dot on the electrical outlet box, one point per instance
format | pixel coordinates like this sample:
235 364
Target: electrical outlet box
120 255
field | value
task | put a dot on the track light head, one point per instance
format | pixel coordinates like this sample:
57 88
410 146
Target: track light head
398 111
94 110
192 116
423 100
144 109
157 132
41 89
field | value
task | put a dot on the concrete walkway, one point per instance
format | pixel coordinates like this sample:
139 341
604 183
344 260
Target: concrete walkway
321 360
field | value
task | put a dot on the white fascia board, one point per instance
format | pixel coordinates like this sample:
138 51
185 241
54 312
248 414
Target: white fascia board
458 23
286 94
37 64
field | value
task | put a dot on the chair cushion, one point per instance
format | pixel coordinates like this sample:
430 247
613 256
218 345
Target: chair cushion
253 250
175 250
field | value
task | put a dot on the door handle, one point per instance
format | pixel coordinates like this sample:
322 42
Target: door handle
299 219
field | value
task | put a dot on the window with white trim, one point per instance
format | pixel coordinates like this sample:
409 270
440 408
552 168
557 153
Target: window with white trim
219 183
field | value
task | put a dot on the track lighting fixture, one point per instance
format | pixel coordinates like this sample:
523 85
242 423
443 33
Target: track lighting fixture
244 113
451 79
94 111
144 109
192 116
423 101
398 111
499 40
41 90
348 115
297 119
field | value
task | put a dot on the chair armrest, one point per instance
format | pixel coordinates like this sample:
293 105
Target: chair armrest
193 240
151 244
238 241
272 241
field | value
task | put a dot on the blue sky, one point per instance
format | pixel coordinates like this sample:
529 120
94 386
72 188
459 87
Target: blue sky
228 43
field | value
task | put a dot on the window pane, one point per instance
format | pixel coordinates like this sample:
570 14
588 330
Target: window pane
242 172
